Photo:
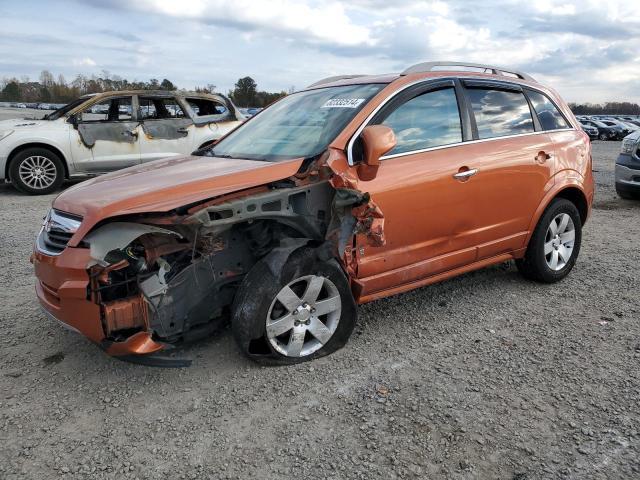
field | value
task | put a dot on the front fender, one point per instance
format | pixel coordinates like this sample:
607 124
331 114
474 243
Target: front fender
58 140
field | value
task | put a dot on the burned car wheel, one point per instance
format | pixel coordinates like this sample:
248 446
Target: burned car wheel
294 312
36 171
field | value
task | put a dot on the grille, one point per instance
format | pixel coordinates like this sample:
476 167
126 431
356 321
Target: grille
56 232
55 241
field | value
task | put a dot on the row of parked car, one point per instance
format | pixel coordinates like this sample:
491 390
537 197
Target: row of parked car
609 127
36 106
627 129
247 112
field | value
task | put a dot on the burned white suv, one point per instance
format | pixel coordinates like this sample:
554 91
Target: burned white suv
103 132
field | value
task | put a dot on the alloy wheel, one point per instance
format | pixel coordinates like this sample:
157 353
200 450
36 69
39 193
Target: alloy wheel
559 241
304 316
37 172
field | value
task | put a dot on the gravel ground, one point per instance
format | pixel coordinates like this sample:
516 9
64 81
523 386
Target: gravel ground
483 376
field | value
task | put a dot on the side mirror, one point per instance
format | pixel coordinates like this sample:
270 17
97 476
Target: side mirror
376 141
73 119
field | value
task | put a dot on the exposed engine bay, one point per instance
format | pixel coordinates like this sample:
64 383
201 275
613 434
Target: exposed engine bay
175 276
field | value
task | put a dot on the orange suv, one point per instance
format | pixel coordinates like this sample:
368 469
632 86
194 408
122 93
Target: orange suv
357 188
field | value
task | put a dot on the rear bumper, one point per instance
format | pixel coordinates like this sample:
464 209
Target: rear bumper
62 288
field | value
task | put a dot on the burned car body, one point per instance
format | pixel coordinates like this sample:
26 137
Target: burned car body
103 132
330 197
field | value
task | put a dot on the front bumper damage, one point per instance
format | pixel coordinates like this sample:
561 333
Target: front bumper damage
64 292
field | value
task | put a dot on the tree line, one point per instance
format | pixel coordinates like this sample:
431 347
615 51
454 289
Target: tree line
49 89
608 108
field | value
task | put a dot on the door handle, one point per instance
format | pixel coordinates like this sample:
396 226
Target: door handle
465 174
183 130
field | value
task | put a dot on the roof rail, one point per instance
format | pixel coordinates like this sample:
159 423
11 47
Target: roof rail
334 79
430 67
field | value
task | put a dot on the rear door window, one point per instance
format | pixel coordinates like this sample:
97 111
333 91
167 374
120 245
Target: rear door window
499 112
428 120
153 108
548 115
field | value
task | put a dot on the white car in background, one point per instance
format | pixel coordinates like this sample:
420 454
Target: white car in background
108 131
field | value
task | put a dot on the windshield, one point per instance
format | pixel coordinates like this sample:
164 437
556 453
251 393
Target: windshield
300 125
67 108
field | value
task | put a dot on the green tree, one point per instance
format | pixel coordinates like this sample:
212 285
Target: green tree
244 93
167 85
11 92
45 95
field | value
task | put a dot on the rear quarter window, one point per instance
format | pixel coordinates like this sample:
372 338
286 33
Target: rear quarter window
548 115
203 107
499 113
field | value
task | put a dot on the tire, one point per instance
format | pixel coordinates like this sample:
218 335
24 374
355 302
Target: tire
626 194
538 265
36 161
256 305
603 136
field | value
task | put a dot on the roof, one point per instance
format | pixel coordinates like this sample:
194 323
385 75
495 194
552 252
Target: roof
430 70
354 80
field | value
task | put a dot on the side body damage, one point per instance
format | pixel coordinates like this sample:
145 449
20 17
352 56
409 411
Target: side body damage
160 279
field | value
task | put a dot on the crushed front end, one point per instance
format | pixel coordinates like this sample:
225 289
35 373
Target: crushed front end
137 284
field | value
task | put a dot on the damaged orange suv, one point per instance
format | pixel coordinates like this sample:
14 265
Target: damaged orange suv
357 188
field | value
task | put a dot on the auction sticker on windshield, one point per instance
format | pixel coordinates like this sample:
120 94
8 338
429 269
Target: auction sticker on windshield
343 103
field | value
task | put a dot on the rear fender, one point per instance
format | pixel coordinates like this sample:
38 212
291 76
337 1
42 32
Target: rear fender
562 181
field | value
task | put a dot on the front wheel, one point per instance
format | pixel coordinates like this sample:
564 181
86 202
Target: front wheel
603 136
36 171
554 245
304 311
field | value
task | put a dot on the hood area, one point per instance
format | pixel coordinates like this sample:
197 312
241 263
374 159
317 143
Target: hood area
14 123
166 184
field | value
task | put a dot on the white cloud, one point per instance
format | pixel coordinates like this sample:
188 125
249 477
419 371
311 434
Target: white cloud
586 49
553 8
84 62
328 23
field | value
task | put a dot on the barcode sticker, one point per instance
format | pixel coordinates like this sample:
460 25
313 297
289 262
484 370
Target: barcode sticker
343 103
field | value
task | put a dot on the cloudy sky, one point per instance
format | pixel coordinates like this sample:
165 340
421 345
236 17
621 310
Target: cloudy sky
588 50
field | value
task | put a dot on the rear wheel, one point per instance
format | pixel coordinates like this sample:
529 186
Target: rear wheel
304 311
554 245
36 171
